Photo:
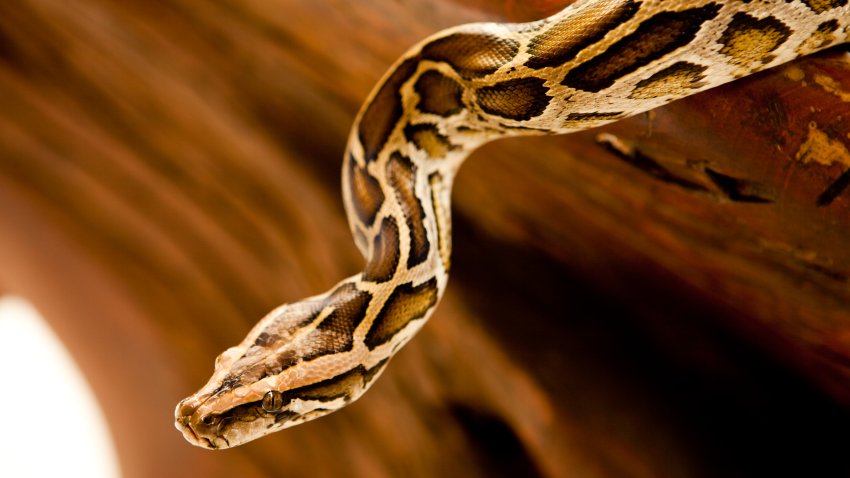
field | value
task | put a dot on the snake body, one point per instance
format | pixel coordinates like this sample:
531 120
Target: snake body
595 62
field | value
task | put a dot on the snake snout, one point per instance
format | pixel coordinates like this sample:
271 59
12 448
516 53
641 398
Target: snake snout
186 408
183 414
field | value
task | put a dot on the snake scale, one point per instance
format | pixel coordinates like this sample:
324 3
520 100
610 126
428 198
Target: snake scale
594 62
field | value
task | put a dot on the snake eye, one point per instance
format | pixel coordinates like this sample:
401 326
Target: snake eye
272 401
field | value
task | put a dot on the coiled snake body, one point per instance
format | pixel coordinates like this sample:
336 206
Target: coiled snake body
594 62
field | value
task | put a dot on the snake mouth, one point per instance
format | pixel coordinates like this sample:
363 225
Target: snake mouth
183 424
196 429
185 416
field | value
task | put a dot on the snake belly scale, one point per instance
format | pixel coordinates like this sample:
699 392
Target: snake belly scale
594 62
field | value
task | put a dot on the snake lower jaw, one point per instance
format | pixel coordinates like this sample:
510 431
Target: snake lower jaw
183 414
189 419
192 429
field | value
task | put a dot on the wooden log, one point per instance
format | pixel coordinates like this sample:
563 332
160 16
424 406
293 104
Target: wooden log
666 296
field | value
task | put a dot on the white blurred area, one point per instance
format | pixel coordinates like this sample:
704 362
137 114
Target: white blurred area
52 425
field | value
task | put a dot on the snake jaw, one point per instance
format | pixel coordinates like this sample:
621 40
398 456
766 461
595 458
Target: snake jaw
200 426
204 418
208 429
183 418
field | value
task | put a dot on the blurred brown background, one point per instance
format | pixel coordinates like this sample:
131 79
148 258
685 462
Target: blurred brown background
667 296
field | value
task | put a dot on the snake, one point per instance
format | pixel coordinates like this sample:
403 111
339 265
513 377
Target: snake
594 62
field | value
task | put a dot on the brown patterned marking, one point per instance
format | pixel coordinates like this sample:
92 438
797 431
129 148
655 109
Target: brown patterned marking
290 319
749 40
278 362
677 79
295 316
406 304
579 119
428 139
384 111
654 38
820 6
385 253
369 374
444 224
330 389
272 365
820 38
230 382
373 372
401 176
336 387
366 194
828 26
335 333
527 128
472 55
283 416
519 99
438 94
589 24
265 339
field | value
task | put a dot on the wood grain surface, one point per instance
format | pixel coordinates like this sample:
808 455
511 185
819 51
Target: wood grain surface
666 296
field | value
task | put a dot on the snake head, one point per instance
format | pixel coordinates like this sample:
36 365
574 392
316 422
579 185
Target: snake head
290 369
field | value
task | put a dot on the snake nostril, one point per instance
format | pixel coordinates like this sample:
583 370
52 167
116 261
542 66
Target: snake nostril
186 409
